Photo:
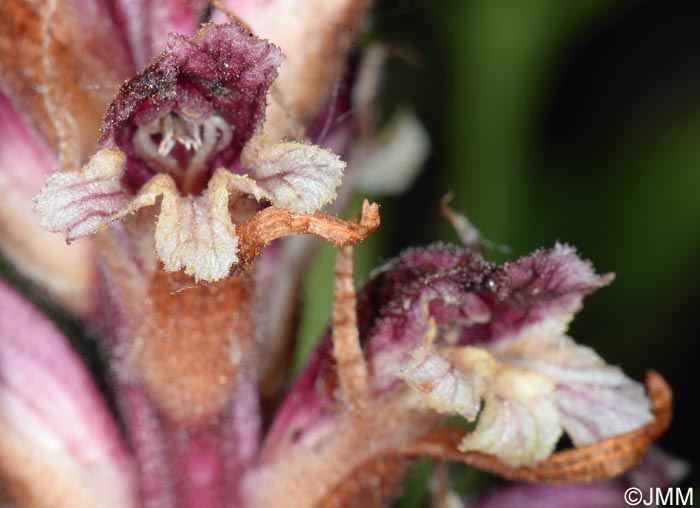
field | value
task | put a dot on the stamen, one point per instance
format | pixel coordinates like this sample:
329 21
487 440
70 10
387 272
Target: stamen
168 139
146 148
186 133
215 135
201 141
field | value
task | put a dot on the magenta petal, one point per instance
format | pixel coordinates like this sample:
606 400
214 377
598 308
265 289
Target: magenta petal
545 283
54 427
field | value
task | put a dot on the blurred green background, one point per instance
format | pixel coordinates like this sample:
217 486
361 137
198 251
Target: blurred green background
555 120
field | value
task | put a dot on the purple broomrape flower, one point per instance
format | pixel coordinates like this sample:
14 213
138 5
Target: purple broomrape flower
179 131
186 390
439 332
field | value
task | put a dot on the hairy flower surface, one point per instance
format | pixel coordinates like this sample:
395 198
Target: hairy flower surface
441 333
181 130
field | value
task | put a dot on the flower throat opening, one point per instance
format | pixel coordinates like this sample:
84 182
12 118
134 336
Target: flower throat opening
183 147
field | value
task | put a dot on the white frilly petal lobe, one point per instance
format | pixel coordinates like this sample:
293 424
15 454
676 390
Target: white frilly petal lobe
81 202
193 233
595 400
520 422
452 380
196 233
441 385
296 176
535 386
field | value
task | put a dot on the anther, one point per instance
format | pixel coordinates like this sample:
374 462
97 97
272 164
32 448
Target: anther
200 139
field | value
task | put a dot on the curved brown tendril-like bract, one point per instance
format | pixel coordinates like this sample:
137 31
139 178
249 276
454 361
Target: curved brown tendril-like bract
598 461
273 223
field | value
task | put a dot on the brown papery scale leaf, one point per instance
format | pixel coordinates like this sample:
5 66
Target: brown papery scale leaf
273 223
352 369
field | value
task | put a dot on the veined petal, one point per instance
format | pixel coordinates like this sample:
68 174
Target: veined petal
81 202
519 423
534 387
297 176
443 386
59 446
194 233
595 400
591 413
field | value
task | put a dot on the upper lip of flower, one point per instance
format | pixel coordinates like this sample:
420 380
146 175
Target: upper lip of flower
195 107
